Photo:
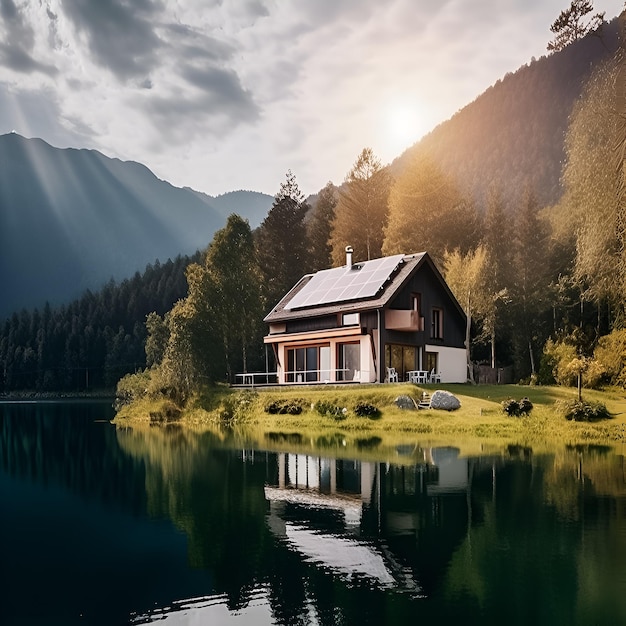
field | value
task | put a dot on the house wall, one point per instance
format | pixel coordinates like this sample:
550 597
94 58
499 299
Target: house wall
452 363
433 294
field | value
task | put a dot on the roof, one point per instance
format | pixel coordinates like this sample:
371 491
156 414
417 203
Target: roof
294 306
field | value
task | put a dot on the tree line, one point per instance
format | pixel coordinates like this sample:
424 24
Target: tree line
93 341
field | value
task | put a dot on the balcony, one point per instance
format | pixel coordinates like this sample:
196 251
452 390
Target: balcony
403 320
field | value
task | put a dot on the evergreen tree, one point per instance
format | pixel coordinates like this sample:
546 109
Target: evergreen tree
530 278
574 23
362 210
281 244
319 227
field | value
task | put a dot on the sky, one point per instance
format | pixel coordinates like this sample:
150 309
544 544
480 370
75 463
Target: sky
222 95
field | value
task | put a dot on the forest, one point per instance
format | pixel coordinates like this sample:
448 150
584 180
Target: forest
544 282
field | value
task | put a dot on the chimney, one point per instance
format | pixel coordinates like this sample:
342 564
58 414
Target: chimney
349 252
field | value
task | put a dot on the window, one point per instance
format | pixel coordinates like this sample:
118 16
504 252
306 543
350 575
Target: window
416 302
350 319
436 328
349 361
403 358
431 362
308 364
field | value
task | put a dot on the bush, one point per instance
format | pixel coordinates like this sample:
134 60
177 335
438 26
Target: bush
284 406
167 412
365 409
583 411
513 408
328 409
610 353
236 406
130 388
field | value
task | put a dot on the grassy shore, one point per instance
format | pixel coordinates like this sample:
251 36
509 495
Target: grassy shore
479 425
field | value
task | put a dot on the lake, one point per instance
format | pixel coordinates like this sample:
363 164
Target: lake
103 525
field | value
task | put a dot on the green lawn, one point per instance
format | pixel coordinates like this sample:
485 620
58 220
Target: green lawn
479 424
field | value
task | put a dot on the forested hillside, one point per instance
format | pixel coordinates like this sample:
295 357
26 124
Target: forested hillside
513 135
92 341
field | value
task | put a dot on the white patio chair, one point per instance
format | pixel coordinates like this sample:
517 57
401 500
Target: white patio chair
434 378
392 375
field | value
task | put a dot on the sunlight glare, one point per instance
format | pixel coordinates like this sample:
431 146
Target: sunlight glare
403 127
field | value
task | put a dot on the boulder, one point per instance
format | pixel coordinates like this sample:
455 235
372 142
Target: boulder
444 400
405 403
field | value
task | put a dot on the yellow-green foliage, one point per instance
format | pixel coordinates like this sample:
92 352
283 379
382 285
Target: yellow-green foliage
610 355
477 425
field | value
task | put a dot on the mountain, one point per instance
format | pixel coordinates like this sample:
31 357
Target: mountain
513 134
72 219
255 204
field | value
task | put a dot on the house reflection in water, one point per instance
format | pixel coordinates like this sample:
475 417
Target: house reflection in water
372 522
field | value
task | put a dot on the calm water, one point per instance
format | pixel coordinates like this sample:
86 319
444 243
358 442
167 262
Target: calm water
106 526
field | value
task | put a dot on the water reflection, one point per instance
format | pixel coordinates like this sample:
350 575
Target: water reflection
165 524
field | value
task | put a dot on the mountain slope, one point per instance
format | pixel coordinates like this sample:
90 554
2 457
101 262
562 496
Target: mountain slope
71 219
513 134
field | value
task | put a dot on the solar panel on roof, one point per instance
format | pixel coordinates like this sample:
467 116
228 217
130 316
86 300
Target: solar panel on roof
362 280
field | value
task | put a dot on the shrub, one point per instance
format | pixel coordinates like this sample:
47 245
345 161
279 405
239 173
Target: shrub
328 409
130 388
610 353
513 408
284 406
167 412
236 406
365 409
583 411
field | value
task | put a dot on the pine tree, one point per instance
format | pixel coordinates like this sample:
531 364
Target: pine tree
319 227
281 244
362 210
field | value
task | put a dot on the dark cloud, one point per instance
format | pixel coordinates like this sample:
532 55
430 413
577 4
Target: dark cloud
120 33
220 105
16 49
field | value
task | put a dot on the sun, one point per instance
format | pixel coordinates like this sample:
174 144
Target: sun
403 127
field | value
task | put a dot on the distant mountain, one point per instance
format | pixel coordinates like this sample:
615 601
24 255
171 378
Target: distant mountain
513 134
252 205
72 219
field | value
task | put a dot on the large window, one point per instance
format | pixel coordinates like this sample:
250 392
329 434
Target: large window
436 327
308 364
402 358
349 361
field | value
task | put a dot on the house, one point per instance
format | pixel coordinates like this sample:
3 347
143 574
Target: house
352 323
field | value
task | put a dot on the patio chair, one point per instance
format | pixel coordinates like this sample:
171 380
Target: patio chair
434 378
392 375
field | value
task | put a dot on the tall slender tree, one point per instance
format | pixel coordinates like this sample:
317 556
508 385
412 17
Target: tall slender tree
281 243
530 278
497 240
361 213
427 212
319 227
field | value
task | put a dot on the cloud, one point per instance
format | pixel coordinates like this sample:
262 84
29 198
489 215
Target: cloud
18 42
120 33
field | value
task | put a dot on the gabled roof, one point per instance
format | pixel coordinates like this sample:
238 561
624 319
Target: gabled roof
399 272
